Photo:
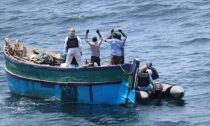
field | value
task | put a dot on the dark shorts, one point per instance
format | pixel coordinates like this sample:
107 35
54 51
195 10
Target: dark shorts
95 59
116 60
123 59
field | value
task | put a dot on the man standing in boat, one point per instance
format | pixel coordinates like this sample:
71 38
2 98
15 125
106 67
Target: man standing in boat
123 40
95 47
117 46
73 48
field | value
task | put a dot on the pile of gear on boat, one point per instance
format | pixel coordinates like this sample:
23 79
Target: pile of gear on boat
147 87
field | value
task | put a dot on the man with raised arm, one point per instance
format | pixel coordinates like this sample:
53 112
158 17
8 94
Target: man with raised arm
95 47
117 46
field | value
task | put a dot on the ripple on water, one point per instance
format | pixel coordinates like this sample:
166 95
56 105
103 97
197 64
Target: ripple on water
197 41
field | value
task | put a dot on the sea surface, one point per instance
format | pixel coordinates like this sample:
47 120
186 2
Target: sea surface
173 34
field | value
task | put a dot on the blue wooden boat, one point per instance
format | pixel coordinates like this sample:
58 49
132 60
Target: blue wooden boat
112 85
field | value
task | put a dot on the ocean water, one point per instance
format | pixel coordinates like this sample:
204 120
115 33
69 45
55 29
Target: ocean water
174 35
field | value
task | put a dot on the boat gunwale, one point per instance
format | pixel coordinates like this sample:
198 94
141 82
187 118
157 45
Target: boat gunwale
64 83
16 61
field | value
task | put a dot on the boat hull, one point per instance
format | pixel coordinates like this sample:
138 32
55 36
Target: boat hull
111 93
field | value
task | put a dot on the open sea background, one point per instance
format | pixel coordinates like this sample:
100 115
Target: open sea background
173 34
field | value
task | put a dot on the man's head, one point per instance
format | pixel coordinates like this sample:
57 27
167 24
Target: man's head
94 39
149 64
116 35
72 31
144 69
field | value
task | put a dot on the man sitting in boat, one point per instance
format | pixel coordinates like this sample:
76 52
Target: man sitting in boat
117 49
73 48
95 47
152 70
145 81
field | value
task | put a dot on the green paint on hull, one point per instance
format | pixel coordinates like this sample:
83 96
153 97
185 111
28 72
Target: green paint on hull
67 76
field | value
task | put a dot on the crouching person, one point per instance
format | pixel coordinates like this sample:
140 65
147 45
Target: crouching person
158 87
145 85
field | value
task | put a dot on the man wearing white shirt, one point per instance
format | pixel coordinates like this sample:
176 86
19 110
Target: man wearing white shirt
117 46
73 48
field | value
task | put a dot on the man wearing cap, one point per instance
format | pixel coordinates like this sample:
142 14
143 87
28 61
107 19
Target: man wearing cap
117 46
73 47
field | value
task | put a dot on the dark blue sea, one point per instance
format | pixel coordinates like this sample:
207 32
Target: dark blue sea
173 34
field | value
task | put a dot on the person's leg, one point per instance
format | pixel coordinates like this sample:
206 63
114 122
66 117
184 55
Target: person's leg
69 57
92 59
118 60
123 58
98 61
78 56
114 60
95 59
111 61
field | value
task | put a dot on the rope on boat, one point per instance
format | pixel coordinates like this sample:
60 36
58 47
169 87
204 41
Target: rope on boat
136 78
128 73
133 81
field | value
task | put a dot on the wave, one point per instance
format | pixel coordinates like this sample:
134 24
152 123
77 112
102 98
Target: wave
199 3
72 18
171 123
157 9
196 41
119 11
1 53
207 15
189 24
20 2
2 74
164 47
